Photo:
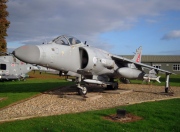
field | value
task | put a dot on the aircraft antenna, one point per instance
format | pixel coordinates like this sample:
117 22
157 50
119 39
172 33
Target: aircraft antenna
45 41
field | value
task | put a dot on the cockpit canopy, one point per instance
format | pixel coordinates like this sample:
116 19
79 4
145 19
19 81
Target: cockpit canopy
66 40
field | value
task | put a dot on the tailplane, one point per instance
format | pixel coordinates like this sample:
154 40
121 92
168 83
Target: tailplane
137 56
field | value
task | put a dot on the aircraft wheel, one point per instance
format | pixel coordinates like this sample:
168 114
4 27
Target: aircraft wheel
82 91
109 87
112 87
115 86
166 90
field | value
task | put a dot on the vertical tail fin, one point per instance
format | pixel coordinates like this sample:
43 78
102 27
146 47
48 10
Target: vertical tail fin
137 56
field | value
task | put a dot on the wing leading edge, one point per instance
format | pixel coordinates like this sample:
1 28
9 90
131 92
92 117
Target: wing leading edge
125 60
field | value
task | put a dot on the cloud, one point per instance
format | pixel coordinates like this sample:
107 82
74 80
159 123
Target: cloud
175 34
33 21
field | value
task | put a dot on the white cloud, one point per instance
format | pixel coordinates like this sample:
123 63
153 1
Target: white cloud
175 34
33 20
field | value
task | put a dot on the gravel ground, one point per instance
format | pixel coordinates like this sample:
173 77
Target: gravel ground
52 103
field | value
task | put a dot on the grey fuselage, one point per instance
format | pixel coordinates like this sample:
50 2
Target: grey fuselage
66 53
90 65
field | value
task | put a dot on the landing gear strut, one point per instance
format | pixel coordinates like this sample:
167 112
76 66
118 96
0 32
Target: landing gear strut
82 90
167 83
125 80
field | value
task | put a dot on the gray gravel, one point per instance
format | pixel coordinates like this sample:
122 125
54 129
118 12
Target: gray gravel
52 103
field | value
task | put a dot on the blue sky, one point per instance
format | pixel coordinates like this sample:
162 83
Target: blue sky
149 33
118 26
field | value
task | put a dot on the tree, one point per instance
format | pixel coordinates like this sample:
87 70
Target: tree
4 24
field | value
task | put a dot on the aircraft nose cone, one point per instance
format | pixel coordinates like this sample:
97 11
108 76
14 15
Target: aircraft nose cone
28 53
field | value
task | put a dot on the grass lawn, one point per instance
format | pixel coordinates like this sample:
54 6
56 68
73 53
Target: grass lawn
158 116
14 91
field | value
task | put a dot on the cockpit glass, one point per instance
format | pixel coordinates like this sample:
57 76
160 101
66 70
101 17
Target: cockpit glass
61 40
66 40
73 40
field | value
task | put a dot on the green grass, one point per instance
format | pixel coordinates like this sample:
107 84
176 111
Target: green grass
157 117
19 90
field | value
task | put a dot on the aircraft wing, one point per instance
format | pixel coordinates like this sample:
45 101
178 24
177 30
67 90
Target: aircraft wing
125 60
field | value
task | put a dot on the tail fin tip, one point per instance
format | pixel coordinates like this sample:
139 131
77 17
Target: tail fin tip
137 56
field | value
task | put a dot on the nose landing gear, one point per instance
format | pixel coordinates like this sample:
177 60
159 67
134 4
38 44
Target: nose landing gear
82 90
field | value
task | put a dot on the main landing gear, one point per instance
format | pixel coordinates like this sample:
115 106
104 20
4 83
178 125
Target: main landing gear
82 89
167 83
112 86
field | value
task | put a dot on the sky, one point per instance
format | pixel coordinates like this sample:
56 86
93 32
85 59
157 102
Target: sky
117 26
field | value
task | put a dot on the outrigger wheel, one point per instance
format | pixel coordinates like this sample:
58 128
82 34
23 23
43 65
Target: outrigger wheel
166 90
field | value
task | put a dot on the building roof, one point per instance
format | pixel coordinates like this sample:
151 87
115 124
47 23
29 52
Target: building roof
157 58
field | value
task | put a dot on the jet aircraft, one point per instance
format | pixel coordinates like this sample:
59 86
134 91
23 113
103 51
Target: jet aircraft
90 65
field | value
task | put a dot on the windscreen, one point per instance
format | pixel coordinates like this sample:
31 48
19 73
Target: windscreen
66 40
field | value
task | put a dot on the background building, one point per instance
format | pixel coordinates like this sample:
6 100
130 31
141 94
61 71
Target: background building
166 62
